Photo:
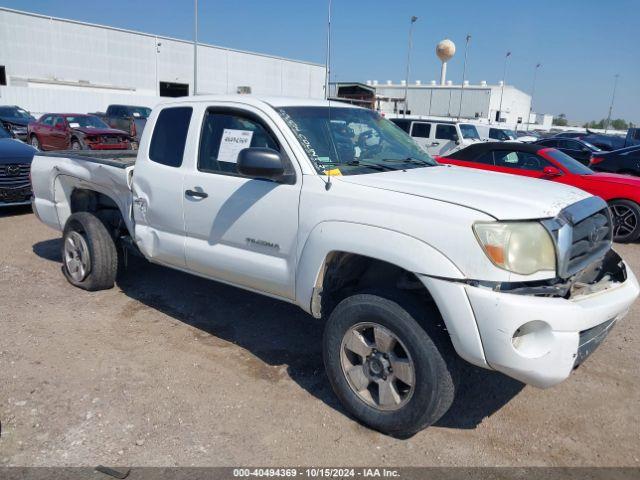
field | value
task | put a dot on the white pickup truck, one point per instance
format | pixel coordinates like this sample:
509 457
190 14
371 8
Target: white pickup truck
335 209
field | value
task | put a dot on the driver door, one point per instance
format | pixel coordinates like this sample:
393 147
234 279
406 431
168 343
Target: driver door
239 229
421 134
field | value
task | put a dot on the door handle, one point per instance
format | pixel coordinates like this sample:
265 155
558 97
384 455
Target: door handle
433 144
196 194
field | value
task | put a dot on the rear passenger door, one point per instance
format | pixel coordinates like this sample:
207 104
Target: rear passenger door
421 133
158 196
241 230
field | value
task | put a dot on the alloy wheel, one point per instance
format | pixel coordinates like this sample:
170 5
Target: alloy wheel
76 256
377 366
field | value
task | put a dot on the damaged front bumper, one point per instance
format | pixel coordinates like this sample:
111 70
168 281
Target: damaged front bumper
536 333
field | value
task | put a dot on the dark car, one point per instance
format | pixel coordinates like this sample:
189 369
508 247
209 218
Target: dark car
600 140
626 160
129 118
575 148
15 119
15 163
74 131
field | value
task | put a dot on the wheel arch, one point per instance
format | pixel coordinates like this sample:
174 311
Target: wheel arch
343 242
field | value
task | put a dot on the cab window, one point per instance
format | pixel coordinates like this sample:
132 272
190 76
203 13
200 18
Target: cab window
446 132
224 135
421 130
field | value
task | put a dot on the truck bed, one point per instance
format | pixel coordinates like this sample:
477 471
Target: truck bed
112 158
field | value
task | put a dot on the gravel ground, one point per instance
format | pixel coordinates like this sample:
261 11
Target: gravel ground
169 369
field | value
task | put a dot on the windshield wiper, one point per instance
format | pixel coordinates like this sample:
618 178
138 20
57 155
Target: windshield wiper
415 161
357 163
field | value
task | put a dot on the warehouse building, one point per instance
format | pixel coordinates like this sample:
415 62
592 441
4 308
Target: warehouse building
483 102
51 65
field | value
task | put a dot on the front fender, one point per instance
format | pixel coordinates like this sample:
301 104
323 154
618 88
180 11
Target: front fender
390 246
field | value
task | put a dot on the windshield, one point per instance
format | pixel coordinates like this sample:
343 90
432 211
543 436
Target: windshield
15 112
511 134
353 140
85 121
469 131
591 147
568 163
139 112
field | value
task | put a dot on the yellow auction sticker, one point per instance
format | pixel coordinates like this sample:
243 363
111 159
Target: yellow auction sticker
334 172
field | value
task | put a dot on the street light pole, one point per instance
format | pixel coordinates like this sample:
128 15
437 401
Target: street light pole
613 97
504 74
533 91
464 72
406 82
195 48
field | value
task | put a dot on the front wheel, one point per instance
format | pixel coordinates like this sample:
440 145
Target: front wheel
35 143
626 220
76 145
383 365
89 254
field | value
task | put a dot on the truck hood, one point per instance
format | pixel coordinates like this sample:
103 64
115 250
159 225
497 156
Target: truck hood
503 196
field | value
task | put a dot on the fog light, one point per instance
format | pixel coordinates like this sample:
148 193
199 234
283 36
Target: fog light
532 339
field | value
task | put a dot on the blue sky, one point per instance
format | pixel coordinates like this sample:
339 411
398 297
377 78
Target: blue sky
580 43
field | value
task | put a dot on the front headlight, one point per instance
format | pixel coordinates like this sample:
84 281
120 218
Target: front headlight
519 247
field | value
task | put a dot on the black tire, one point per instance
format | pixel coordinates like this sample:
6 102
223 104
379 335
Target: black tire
102 262
626 220
433 356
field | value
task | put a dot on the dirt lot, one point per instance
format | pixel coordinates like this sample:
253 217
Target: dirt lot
170 369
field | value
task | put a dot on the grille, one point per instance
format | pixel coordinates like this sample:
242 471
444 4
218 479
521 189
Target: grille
582 233
589 237
14 175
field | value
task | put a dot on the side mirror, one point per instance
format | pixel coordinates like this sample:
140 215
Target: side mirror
260 163
551 172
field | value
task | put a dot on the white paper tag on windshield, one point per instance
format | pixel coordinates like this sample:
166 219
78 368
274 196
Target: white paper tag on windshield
136 114
232 142
74 125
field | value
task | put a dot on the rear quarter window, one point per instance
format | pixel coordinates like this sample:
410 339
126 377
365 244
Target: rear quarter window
170 136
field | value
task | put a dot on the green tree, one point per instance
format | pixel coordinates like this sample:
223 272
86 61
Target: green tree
560 120
619 124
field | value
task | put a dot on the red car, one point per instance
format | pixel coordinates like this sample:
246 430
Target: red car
621 192
72 131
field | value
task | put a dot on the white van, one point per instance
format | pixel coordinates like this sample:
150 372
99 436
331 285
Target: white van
439 137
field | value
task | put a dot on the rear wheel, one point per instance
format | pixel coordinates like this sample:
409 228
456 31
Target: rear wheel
89 254
626 220
383 365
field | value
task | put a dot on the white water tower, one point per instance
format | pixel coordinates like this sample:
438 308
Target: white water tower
445 50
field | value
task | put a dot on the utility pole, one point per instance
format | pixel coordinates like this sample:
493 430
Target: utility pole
406 82
533 91
613 97
195 48
504 75
464 72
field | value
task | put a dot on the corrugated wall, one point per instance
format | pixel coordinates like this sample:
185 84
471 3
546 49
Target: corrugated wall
40 48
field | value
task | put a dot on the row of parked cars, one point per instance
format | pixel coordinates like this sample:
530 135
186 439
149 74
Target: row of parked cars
606 153
119 128
21 136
